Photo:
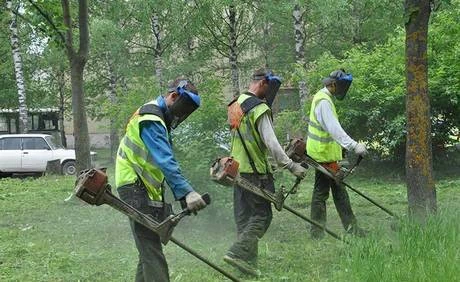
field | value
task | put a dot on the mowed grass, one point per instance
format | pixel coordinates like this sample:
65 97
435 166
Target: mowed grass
43 238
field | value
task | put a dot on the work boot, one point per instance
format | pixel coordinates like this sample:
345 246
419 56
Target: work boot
357 231
242 265
316 233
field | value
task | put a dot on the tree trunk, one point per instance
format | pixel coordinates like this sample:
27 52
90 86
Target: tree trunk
233 58
80 124
77 64
61 86
299 37
23 117
192 44
266 47
156 32
421 192
114 138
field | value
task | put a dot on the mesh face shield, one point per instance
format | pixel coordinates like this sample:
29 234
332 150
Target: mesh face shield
274 83
185 104
342 82
341 85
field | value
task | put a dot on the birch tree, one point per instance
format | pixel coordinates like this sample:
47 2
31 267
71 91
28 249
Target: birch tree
227 29
157 47
17 60
114 138
233 52
299 37
158 28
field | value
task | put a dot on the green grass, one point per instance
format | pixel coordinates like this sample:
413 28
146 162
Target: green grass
415 253
43 238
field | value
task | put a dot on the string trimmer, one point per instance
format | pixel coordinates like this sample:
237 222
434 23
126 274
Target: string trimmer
225 172
92 187
296 151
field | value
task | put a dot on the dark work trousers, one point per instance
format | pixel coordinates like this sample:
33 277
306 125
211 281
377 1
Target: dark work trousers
152 264
318 203
253 215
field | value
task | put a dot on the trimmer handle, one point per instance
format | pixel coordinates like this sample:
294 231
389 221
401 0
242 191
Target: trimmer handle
206 198
360 158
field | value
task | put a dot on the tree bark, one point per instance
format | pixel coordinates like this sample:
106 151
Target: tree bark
23 116
114 138
77 64
156 32
421 192
233 55
266 47
299 37
61 86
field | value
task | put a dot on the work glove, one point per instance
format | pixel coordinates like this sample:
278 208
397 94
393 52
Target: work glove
194 202
360 149
297 169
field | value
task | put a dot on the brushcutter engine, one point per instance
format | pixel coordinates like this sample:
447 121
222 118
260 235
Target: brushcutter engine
224 171
296 149
91 185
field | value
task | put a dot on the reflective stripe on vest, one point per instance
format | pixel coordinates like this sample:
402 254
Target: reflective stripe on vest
134 160
320 139
256 148
320 144
139 170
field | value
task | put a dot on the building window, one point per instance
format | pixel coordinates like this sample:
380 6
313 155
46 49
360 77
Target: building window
3 124
33 121
50 122
13 125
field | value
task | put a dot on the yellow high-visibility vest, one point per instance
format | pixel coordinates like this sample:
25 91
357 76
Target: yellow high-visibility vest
134 160
320 144
257 149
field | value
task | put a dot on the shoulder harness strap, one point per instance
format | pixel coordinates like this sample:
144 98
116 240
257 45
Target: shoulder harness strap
250 103
152 109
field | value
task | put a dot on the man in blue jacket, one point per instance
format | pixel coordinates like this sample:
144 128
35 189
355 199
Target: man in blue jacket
145 161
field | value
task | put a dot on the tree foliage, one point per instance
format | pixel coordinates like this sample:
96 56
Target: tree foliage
374 109
363 36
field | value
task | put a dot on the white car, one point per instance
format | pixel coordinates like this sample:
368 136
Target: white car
24 153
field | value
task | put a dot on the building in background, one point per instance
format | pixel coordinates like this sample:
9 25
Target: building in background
46 121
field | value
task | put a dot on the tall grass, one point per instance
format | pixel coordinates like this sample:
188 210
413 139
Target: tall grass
416 252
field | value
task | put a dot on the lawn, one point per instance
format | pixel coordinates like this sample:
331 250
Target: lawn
44 238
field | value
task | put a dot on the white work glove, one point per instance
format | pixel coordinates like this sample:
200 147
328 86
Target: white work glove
296 169
194 201
360 149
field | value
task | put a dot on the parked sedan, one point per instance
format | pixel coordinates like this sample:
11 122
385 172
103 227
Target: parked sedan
25 153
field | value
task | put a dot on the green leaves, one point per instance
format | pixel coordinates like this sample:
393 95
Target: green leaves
375 105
